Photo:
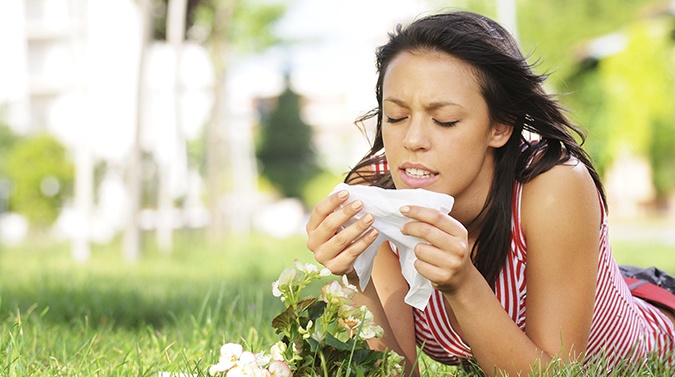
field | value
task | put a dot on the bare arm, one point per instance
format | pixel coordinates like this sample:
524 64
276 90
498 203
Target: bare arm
560 213
384 298
337 247
391 289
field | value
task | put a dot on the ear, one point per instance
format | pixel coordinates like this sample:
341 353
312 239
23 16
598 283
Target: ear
500 134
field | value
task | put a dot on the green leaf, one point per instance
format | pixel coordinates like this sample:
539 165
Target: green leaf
337 343
313 344
316 311
306 304
282 322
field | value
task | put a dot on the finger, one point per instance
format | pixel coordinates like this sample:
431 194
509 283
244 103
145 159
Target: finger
434 220
348 235
343 262
433 261
326 245
439 268
436 275
330 225
324 208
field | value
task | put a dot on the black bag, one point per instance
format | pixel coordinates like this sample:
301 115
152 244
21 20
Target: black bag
651 274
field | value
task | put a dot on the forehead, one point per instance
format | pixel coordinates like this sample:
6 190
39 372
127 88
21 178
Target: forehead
431 76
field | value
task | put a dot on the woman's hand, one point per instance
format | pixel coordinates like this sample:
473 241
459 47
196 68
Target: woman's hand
445 257
335 245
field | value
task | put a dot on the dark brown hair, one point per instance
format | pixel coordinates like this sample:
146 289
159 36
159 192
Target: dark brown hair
514 96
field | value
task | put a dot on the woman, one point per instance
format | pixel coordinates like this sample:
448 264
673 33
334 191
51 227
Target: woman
522 268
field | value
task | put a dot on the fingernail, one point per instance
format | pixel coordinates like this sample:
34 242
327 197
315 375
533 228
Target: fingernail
374 233
404 209
357 204
343 194
368 218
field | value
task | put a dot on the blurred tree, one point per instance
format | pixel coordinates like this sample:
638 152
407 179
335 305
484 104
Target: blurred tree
625 101
8 138
224 27
41 176
227 28
551 30
589 109
175 36
132 231
640 86
286 150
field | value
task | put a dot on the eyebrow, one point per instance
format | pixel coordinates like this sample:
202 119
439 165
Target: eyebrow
431 106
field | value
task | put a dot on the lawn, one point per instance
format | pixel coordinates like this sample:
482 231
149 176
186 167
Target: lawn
107 317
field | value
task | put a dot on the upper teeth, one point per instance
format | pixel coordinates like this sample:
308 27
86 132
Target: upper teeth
418 173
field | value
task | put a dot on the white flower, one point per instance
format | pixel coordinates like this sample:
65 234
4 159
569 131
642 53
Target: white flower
319 335
336 294
351 287
346 311
262 359
369 329
247 370
287 277
229 356
247 366
277 350
307 268
279 369
233 350
296 350
275 289
350 322
306 331
219 368
325 272
369 332
247 357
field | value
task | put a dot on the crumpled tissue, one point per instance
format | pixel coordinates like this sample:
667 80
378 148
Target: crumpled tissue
384 205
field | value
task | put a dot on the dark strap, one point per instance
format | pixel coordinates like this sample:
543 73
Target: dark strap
651 293
637 284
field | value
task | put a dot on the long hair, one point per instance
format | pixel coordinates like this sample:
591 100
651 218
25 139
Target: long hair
514 96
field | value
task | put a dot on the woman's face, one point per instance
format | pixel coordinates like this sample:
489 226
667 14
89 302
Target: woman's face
435 125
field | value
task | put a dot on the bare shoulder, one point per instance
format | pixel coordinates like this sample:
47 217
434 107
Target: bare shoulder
562 185
564 196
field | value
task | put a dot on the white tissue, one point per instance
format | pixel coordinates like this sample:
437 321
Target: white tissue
384 205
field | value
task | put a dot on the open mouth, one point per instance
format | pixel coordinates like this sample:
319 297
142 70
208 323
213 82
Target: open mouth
419 173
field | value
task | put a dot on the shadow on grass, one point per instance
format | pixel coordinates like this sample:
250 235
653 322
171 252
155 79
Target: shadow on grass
112 303
158 290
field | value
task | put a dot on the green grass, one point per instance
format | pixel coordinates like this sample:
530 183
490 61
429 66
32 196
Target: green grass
107 317
111 318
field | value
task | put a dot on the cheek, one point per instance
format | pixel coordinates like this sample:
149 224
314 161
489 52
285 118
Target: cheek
388 138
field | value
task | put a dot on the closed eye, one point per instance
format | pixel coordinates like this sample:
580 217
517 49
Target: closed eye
446 124
395 120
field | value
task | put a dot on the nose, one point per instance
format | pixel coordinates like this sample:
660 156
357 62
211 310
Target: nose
416 137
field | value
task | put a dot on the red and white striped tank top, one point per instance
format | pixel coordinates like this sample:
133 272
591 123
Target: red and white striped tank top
623 327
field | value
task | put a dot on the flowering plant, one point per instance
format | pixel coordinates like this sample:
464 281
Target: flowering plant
320 336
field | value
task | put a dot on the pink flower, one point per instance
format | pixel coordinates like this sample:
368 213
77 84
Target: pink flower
279 369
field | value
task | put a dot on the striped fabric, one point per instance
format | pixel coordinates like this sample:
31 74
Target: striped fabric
623 328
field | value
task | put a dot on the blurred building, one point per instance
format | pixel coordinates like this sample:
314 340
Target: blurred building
73 70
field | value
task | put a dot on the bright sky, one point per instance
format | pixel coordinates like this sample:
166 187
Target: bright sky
336 49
